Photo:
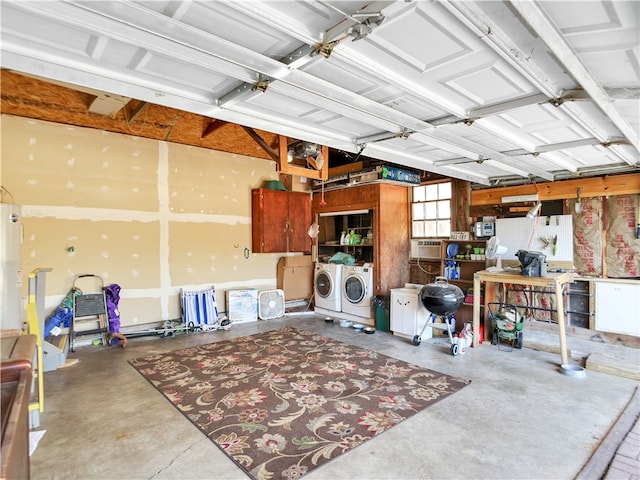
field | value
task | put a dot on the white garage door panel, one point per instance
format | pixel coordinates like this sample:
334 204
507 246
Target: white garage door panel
562 132
554 129
589 156
428 60
356 78
435 64
206 16
606 37
411 37
336 71
479 134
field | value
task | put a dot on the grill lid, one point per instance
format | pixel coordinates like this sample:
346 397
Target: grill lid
441 297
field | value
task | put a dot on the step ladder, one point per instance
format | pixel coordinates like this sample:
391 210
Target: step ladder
89 316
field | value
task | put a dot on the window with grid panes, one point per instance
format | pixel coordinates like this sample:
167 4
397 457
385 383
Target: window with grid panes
431 210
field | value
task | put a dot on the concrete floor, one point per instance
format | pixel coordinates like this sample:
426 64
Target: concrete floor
519 417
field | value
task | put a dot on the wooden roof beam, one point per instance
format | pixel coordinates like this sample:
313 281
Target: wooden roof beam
211 127
263 144
627 184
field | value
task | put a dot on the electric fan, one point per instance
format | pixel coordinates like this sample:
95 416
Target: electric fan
495 251
271 304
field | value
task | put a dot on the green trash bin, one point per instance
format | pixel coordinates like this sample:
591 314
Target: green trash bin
382 306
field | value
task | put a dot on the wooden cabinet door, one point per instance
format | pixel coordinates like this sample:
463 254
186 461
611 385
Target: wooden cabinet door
269 211
280 221
298 222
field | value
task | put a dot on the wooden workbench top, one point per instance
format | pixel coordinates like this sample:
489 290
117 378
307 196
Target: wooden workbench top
516 277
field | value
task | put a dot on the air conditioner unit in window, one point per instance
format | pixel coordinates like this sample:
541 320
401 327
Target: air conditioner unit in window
426 249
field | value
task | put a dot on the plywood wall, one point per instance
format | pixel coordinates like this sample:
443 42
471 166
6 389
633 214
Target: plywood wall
149 215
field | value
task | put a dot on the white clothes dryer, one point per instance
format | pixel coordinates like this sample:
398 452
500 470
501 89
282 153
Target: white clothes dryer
357 290
327 282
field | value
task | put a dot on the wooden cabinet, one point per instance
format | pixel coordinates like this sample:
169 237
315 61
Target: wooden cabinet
280 221
389 207
459 262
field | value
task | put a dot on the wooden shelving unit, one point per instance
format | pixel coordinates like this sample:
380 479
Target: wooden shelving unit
389 214
332 226
459 265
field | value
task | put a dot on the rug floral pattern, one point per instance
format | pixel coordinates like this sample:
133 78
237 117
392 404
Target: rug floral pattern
284 402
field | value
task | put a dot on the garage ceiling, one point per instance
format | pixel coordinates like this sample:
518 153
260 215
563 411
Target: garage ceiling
492 92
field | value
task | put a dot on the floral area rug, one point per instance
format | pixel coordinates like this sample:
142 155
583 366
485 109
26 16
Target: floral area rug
284 402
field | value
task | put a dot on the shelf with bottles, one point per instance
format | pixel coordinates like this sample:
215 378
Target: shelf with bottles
464 250
356 226
461 259
352 237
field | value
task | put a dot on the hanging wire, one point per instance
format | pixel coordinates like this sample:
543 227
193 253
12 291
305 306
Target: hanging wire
3 190
430 273
128 120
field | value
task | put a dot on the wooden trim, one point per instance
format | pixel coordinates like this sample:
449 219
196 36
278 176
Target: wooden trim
561 190
349 168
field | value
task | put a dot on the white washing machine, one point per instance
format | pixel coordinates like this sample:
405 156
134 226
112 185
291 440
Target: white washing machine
327 282
357 290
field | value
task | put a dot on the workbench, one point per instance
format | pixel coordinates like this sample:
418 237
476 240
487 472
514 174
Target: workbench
556 281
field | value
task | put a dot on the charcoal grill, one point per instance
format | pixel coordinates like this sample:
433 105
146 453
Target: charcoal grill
442 300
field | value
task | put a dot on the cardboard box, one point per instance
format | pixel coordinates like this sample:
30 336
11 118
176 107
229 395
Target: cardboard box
295 277
242 305
295 183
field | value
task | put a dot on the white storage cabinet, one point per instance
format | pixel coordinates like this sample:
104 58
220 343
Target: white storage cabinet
618 306
408 315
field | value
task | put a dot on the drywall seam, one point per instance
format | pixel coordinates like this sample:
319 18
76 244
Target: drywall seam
86 213
119 215
163 211
209 218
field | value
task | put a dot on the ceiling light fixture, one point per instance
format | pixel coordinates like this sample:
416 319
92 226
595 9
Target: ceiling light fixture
534 210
